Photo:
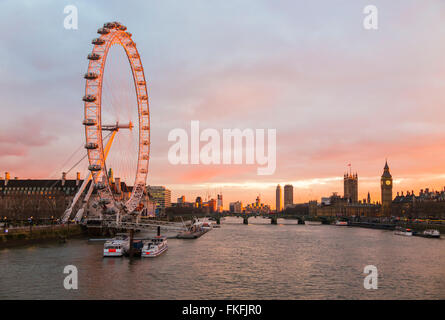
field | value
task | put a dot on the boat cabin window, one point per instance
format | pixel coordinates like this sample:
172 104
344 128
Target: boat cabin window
112 247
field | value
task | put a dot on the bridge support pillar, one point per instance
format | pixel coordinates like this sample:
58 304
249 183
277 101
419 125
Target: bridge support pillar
245 220
273 220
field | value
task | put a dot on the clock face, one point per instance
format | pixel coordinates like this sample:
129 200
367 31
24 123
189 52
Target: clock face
388 183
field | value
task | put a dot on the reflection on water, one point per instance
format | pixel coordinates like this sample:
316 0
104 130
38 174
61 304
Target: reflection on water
255 261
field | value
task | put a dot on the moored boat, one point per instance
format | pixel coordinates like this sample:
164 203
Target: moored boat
117 246
197 229
154 247
113 249
403 232
207 225
341 223
429 233
312 222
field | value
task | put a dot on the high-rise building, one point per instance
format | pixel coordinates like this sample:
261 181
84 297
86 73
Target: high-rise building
236 207
212 205
288 195
181 200
278 201
220 203
258 201
351 187
386 188
198 202
161 196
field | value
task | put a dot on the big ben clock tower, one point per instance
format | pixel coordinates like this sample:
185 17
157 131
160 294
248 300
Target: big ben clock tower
386 187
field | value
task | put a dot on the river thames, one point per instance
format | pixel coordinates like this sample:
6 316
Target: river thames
236 261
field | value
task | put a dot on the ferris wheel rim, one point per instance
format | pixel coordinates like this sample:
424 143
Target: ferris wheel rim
114 33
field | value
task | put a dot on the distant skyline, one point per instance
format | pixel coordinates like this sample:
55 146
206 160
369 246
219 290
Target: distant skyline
335 93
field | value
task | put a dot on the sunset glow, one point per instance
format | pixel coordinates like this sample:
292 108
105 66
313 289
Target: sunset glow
335 93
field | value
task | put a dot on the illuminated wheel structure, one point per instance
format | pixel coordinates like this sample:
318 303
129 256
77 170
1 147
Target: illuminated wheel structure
114 33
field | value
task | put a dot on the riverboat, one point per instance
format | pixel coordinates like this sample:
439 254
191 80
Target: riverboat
403 232
154 247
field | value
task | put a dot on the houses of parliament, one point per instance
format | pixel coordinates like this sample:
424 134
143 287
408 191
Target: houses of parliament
427 204
350 205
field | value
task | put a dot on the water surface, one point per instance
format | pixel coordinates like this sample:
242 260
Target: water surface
255 261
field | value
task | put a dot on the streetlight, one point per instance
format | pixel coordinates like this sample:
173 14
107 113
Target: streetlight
30 224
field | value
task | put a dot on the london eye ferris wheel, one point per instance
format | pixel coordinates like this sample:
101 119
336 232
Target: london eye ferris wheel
117 126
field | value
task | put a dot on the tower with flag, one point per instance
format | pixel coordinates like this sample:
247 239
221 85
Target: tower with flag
350 184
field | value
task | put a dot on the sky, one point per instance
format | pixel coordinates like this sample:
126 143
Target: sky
334 92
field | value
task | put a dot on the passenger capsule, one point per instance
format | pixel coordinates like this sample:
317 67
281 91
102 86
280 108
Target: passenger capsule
91 76
145 142
137 68
89 122
144 98
91 146
94 56
89 98
98 41
109 25
145 113
141 83
94 167
103 31
145 128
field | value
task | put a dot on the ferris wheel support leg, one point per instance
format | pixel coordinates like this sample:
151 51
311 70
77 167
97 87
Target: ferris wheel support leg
118 217
67 213
85 202
91 189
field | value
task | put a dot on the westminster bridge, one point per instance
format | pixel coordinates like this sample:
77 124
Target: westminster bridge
217 216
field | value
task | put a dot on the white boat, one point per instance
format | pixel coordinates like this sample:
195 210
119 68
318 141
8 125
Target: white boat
431 233
312 223
403 232
341 223
196 230
201 225
113 249
117 246
207 225
154 247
